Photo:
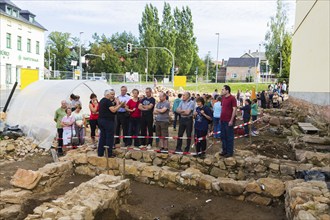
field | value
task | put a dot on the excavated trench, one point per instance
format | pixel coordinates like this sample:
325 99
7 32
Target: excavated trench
154 202
60 189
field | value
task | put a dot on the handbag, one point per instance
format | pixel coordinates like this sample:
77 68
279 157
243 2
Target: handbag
74 138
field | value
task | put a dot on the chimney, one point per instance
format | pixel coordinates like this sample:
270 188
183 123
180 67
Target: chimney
249 51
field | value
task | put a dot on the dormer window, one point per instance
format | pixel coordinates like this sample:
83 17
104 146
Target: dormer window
15 13
9 10
31 19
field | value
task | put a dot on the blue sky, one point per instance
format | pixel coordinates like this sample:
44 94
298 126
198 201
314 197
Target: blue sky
242 24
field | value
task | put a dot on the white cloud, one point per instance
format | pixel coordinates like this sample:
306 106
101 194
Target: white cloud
242 24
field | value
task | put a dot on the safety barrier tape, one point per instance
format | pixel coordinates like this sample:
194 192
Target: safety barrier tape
174 137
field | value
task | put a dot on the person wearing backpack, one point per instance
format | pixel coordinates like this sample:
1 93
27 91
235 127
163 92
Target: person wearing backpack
203 116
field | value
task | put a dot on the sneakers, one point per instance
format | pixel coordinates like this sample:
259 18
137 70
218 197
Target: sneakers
254 133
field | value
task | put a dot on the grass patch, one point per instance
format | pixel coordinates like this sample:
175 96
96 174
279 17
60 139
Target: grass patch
210 87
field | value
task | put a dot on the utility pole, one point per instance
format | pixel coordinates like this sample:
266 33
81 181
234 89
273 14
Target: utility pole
216 69
207 67
80 64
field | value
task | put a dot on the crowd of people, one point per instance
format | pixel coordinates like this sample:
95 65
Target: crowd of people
133 114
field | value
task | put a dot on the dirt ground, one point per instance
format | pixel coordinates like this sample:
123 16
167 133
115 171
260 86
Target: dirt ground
7 170
154 202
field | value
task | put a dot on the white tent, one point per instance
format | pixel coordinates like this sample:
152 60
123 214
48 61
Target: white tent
34 107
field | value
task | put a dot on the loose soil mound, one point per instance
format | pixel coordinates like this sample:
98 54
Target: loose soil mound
271 149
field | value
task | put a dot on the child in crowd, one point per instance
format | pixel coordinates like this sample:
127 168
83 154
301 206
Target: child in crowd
216 117
254 113
246 115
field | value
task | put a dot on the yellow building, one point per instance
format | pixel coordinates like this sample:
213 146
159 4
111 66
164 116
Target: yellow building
310 73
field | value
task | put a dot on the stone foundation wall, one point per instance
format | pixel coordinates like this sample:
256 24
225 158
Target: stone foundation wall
27 183
307 200
243 166
87 200
262 191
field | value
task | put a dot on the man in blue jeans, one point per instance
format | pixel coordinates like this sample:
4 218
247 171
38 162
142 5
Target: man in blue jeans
227 118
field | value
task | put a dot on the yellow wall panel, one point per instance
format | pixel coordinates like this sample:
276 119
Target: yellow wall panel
28 76
180 81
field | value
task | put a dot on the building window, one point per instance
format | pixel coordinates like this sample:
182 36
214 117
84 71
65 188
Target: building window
19 43
31 19
234 75
29 45
37 47
8 23
19 27
8 74
9 10
8 40
15 13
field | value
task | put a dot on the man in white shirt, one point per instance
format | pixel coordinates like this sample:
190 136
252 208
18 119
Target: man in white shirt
122 116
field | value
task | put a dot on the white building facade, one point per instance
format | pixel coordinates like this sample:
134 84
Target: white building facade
310 66
22 42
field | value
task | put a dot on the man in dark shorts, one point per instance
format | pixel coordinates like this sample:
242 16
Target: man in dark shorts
227 119
161 111
147 108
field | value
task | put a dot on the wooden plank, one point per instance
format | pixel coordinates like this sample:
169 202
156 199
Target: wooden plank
307 128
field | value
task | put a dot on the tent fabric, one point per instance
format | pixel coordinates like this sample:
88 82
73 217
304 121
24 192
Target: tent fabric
34 107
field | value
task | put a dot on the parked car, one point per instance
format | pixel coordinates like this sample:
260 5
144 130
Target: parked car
102 78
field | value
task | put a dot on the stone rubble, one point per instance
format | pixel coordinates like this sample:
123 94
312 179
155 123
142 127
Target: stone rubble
307 200
14 150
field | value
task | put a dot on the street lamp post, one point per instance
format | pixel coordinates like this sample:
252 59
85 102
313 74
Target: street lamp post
49 57
207 66
216 69
80 64
54 63
279 49
147 66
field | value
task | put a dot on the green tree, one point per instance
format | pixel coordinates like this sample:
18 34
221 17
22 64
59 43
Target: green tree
185 45
168 37
59 44
211 72
274 39
286 55
73 56
149 29
111 64
198 63
130 61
